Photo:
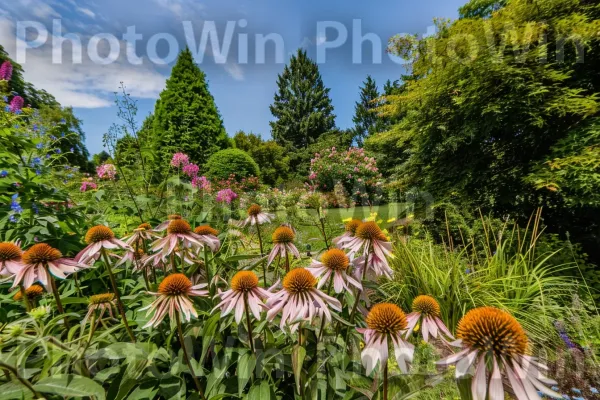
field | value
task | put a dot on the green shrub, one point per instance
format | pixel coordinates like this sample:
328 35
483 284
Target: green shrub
228 162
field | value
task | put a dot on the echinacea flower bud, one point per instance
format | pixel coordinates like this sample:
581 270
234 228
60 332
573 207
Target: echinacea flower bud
254 210
386 318
99 233
175 285
41 253
426 305
244 281
370 231
335 259
206 230
9 252
179 226
299 280
283 234
491 329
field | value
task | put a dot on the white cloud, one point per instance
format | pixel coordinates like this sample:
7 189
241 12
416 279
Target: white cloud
321 39
85 85
235 71
181 8
87 12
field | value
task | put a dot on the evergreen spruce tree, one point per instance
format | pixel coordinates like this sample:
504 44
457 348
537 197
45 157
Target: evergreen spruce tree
302 106
366 121
186 118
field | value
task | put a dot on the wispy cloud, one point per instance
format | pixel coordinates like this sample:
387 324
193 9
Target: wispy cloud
235 71
85 85
87 11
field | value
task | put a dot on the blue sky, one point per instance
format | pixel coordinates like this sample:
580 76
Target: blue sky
243 90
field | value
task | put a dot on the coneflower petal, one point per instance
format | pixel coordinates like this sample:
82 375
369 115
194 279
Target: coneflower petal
496 390
463 365
479 384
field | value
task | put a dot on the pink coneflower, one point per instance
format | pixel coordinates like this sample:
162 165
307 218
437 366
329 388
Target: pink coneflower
209 236
385 321
333 265
16 104
98 238
283 240
349 231
179 234
244 290
300 300
142 233
492 337
256 216
163 225
100 302
371 241
38 262
426 310
174 297
179 160
10 258
6 71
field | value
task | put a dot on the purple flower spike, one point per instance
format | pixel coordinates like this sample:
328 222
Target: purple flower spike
6 71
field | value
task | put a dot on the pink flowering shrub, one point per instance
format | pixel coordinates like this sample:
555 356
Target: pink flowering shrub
352 168
226 196
106 171
180 160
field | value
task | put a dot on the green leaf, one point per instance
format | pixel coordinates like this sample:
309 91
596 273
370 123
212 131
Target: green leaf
14 390
298 355
70 386
261 392
245 368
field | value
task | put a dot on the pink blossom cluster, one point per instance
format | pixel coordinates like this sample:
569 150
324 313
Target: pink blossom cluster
6 71
180 160
226 196
201 182
87 184
16 104
191 170
106 171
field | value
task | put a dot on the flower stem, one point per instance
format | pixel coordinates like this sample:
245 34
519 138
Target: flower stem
248 322
320 336
260 244
322 220
59 306
207 270
25 298
187 357
287 261
76 280
117 295
24 381
385 381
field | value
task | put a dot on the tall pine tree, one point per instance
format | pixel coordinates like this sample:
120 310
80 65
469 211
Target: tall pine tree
186 118
366 121
302 106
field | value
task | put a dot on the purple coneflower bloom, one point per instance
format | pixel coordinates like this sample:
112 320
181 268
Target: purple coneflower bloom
426 310
283 239
99 237
370 240
349 231
244 291
493 337
300 300
37 261
385 321
256 216
333 265
174 297
10 258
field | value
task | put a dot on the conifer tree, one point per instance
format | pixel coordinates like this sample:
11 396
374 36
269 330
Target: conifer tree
366 121
302 106
186 118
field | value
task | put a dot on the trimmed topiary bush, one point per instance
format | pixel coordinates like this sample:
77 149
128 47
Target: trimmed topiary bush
225 163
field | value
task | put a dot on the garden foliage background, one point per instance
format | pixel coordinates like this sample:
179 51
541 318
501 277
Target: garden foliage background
480 165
